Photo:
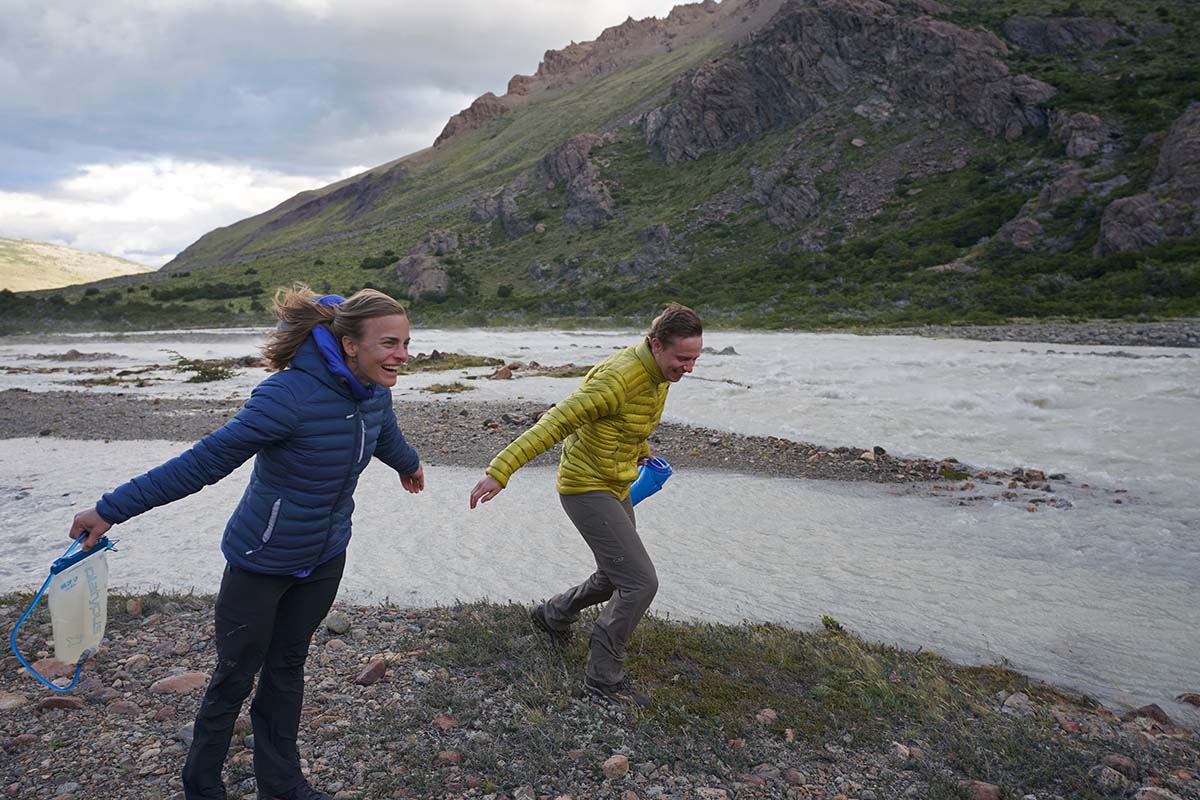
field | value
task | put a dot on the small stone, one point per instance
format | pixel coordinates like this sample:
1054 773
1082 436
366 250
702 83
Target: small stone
1151 711
133 606
68 703
51 668
1155 793
137 663
899 751
124 708
444 722
768 716
448 758
616 767
794 777
708 793
374 671
1107 778
858 142
1017 703
186 733
179 684
337 623
11 700
1122 764
736 744
1191 698
335 644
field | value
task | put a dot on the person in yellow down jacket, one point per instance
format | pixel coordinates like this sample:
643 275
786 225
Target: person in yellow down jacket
605 427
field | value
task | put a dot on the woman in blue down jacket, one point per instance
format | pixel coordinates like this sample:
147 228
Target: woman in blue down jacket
313 426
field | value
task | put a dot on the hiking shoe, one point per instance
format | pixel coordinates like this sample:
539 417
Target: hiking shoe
620 693
560 639
302 791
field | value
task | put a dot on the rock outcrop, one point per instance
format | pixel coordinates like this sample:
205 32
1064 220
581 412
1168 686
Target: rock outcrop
1084 134
813 54
788 202
486 107
1171 206
1061 34
502 205
570 165
420 272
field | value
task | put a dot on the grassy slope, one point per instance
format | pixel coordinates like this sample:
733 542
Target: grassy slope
26 265
867 274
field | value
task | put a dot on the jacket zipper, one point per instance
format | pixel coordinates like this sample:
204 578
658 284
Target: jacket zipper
266 535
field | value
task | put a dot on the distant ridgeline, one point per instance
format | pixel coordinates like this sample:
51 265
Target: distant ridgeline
813 162
27 265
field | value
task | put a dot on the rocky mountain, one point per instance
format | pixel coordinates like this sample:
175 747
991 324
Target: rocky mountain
783 162
26 265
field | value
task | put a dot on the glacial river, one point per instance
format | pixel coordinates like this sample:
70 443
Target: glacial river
1102 597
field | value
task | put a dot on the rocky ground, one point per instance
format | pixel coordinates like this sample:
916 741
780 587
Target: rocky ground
469 702
469 434
1173 333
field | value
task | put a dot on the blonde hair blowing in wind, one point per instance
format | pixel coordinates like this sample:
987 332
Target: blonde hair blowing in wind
299 312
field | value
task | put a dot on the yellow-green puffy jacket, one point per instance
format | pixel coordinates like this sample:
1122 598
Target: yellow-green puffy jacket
604 426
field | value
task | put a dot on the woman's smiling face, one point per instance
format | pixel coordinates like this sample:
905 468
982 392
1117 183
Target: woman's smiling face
382 349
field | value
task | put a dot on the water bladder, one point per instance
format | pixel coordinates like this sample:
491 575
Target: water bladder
77 593
651 476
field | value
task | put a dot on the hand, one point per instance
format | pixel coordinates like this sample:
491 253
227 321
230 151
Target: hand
644 460
91 522
485 490
415 482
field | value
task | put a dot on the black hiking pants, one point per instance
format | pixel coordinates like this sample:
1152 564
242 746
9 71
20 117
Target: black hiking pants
264 624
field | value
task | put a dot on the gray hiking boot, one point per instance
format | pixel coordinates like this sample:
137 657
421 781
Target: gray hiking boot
559 639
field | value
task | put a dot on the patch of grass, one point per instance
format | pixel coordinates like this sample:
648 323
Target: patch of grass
202 370
447 388
440 362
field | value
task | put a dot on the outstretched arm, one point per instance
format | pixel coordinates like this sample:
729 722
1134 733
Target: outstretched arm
268 416
600 395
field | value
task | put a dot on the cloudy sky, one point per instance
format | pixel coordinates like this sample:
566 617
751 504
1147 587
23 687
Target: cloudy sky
133 127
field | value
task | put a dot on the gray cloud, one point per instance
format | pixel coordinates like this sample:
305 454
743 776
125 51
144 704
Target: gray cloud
285 87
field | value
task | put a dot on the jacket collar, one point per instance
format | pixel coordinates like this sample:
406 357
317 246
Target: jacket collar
309 359
642 351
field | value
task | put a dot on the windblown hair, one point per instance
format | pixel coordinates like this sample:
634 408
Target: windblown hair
675 322
299 312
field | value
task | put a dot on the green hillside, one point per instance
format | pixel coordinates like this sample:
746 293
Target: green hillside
876 194
26 265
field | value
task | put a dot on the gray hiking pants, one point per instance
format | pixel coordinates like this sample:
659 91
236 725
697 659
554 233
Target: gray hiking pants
624 577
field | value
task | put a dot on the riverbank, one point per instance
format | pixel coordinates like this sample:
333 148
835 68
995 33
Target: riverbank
1171 333
468 434
469 701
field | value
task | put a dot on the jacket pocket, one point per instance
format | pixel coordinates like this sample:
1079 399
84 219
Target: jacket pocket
269 530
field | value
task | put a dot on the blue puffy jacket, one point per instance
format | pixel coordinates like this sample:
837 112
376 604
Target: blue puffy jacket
312 440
